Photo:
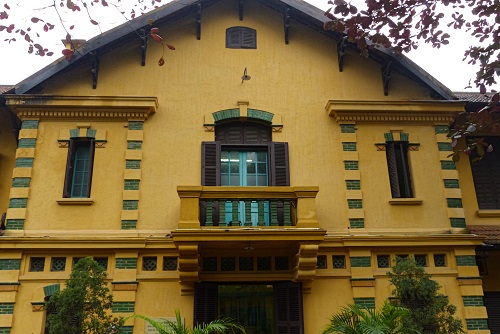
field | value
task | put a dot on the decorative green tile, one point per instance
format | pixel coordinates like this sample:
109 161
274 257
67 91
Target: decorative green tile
353 184
131 185
31 124
354 204
24 162
21 182
226 114
4 330
129 224
27 143
126 330
365 302
135 125
6 308
466 260
451 183
123 307
49 290
473 300
458 222
126 263
15 224
360 261
130 205
448 164
356 222
388 136
476 324
445 147
18 203
349 146
134 145
133 164
347 128
454 202
442 129
260 114
351 165
10 264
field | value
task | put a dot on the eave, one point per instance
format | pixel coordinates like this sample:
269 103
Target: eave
296 10
400 111
81 107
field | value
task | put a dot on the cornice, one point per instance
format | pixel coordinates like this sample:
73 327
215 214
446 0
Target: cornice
82 107
394 111
403 240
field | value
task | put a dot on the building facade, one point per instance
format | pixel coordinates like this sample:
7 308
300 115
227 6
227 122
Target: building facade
266 172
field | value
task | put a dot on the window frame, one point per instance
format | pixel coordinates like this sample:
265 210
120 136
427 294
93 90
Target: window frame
74 145
247 38
398 166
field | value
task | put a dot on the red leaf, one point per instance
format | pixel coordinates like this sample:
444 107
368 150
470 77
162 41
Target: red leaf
27 38
35 19
45 27
154 30
4 15
50 54
171 47
94 22
6 6
67 53
161 62
157 38
71 27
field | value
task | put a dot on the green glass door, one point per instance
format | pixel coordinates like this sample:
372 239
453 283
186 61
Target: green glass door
245 168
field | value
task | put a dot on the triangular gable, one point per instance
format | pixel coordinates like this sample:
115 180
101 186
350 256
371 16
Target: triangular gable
296 10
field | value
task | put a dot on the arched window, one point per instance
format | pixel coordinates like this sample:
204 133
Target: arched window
241 38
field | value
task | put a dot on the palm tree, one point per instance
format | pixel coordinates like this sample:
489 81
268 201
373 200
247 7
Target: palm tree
355 319
218 326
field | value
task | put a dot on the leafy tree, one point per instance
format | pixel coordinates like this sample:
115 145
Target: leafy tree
400 24
218 326
83 306
355 319
430 311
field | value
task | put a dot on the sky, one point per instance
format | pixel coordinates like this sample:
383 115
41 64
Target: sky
445 64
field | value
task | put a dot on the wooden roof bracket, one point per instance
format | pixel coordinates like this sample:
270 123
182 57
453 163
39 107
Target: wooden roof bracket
240 9
386 75
286 23
94 60
144 46
341 45
198 21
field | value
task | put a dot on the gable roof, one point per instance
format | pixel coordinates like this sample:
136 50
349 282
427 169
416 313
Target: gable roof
299 10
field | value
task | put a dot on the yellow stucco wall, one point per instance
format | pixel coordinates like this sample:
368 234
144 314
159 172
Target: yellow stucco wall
294 82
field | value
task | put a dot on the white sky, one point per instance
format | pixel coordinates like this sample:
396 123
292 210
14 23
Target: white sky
16 64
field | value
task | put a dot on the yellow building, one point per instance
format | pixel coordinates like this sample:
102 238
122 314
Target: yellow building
266 172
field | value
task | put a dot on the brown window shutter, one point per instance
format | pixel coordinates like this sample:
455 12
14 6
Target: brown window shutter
210 160
399 169
288 308
205 303
280 175
393 170
486 174
492 303
69 169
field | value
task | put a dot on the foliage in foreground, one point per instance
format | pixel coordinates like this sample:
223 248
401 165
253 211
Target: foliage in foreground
218 326
430 311
83 306
355 319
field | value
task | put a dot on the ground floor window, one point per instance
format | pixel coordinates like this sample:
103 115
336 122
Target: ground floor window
274 308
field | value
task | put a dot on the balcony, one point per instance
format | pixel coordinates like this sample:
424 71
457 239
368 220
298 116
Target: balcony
204 207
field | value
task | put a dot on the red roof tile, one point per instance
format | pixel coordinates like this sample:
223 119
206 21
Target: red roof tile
491 232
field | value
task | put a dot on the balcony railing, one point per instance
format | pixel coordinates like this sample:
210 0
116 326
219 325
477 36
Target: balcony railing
203 206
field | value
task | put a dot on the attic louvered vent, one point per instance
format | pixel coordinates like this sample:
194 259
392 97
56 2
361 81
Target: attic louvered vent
241 38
